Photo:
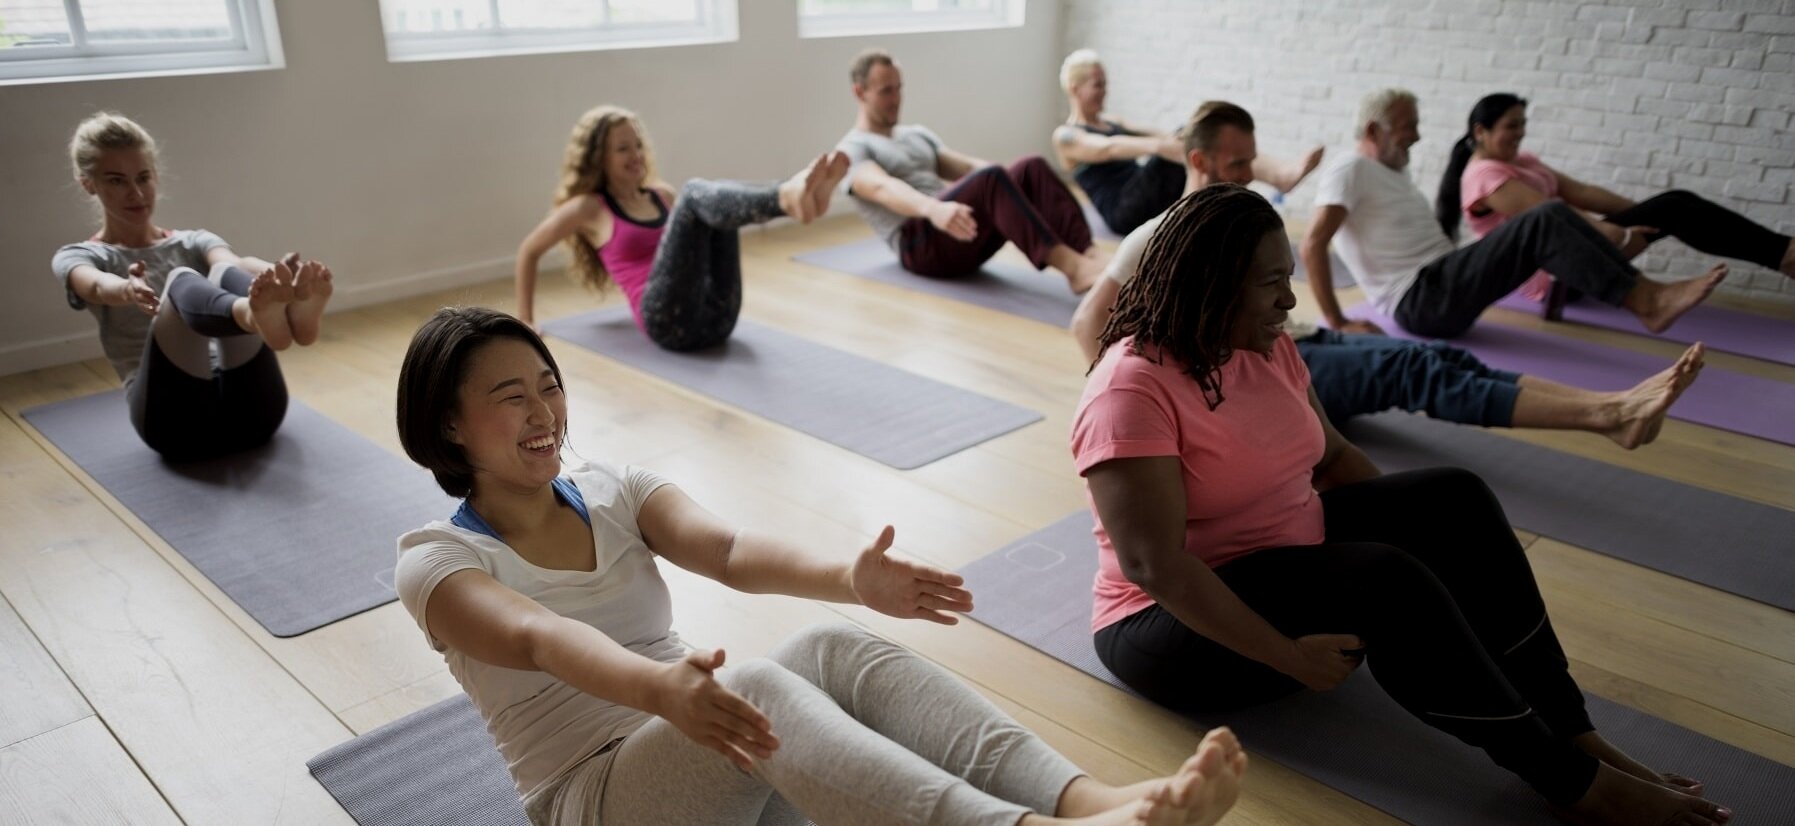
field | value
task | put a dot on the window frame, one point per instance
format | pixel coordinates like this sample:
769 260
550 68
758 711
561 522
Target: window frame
1004 14
719 22
254 45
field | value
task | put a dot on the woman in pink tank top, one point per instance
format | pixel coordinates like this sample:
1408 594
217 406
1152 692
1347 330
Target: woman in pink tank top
675 256
1489 179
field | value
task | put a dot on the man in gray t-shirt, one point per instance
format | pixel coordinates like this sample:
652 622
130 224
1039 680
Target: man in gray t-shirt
946 213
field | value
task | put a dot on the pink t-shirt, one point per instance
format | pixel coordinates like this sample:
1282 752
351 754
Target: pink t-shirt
1484 176
1247 464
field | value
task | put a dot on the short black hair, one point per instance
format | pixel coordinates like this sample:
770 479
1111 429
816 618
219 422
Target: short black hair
430 386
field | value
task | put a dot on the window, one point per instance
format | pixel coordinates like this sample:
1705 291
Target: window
841 18
53 40
446 29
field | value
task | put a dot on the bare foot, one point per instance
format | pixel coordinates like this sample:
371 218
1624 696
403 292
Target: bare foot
1202 790
311 291
1660 305
1619 799
1596 746
1643 408
804 196
269 295
1085 275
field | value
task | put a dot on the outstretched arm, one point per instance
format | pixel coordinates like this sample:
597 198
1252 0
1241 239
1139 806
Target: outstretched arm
693 538
1079 146
870 181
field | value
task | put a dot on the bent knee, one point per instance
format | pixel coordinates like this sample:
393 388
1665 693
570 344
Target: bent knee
822 642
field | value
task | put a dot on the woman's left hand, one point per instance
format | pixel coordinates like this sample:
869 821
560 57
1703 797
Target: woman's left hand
904 589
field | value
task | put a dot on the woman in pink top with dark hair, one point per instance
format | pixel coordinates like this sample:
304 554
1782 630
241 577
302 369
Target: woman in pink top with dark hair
676 257
1490 179
1248 551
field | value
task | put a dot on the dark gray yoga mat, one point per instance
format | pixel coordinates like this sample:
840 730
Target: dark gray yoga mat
1000 286
1721 398
298 532
435 766
1731 331
1730 544
1355 739
876 410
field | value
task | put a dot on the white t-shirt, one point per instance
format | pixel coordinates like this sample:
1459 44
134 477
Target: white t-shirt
1127 261
1390 229
544 726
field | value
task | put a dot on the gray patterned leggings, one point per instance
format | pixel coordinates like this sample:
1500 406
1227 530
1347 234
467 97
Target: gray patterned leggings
870 734
694 290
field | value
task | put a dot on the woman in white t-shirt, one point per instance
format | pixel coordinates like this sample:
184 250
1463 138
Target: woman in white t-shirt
543 595
164 298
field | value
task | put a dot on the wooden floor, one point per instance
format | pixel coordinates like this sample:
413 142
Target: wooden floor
135 692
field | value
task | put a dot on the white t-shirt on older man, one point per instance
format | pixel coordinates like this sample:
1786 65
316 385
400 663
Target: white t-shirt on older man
544 726
1390 230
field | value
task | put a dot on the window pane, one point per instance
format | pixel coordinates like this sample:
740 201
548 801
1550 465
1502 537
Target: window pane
826 7
25 23
654 11
551 14
419 16
138 21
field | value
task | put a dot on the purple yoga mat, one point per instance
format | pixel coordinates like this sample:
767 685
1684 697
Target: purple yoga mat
1732 331
1720 398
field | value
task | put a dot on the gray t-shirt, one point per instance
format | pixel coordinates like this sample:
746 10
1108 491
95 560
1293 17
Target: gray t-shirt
124 328
912 154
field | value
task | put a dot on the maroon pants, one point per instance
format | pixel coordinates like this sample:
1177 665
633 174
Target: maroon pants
1026 205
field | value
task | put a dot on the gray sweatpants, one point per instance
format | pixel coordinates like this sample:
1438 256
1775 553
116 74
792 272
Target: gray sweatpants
869 734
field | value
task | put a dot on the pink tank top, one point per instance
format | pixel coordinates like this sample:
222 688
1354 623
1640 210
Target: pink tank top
629 255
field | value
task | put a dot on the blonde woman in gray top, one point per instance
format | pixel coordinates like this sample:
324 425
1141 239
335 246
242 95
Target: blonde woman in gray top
163 297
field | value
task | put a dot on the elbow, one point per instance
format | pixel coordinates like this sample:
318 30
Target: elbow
1143 573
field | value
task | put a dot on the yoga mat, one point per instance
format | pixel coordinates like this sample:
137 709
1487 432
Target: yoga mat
873 409
298 532
1354 738
1000 286
1732 331
1723 542
1720 398
435 766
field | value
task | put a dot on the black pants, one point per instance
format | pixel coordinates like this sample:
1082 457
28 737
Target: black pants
1705 226
1150 189
1454 289
1423 567
188 417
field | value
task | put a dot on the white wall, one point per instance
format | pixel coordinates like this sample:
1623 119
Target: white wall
1636 96
409 177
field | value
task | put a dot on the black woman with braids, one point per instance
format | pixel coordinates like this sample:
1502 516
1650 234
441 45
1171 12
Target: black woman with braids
1248 551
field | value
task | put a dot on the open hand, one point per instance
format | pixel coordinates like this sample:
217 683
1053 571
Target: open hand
713 716
138 292
955 219
1324 661
905 589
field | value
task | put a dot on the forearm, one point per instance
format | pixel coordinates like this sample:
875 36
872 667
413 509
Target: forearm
103 288
898 197
1319 267
583 657
759 564
1348 465
1193 593
526 286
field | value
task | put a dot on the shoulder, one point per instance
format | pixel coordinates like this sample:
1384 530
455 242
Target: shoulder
666 191
920 131
610 489
201 240
83 252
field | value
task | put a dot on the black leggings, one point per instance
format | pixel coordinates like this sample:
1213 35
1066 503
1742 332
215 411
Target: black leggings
1705 226
1424 568
694 292
187 414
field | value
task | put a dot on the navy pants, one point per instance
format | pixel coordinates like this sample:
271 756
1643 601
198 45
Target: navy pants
1357 375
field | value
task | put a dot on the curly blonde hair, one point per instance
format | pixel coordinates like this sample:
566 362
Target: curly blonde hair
583 173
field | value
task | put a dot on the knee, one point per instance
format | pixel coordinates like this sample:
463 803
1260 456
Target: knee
1383 570
216 273
1032 163
991 172
756 678
823 642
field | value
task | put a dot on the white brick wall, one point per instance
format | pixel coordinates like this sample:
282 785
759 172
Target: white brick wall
1636 96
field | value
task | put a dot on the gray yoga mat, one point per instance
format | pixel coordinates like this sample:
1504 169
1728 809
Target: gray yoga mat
1721 398
1730 544
873 409
1731 331
1000 286
298 532
435 766
1355 739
